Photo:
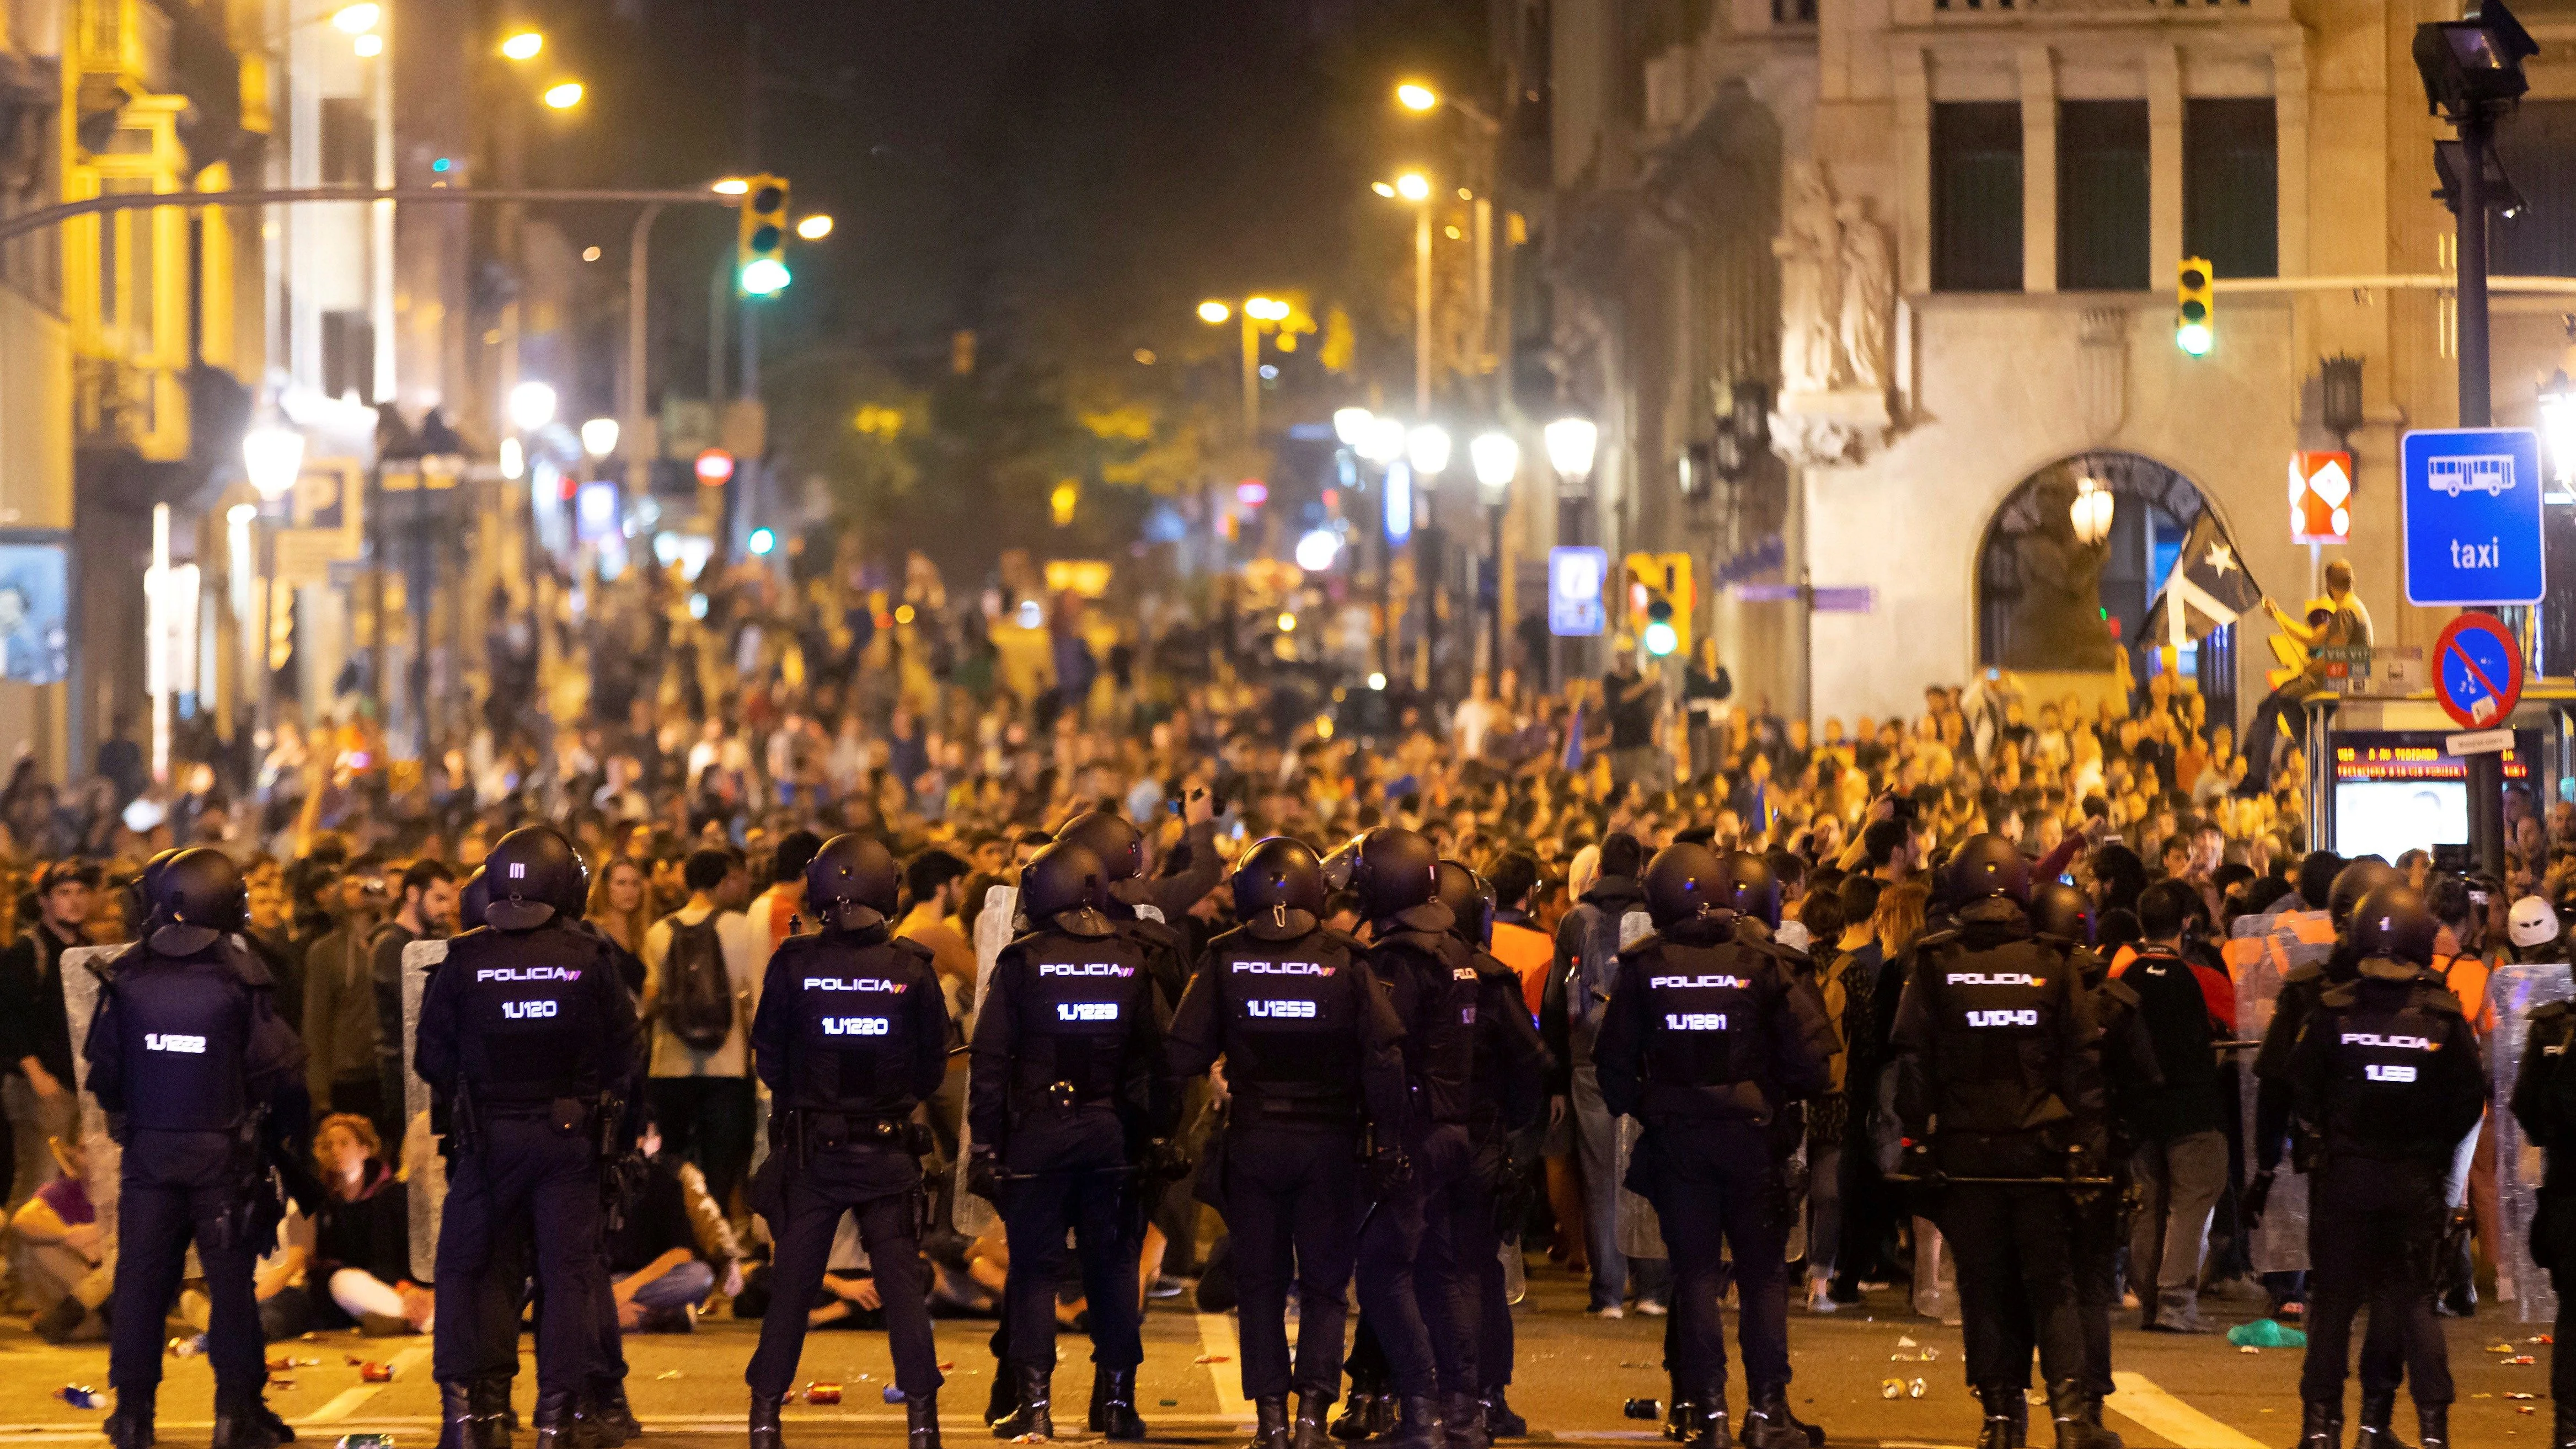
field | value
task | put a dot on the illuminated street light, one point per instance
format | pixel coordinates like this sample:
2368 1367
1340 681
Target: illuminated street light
357 19
523 45
1383 188
1315 551
1383 442
514 459
563 95
599 437
532 406
1496 457
2092 511
1570 445
815 227
1265 309
731 186
1413 186
1416 97
1213 312
764 276
1350 425
369 45
273 456
1427 448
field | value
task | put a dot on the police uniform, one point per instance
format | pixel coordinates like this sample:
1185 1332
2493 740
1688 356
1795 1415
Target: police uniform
2544 1102
527 1034
851 1036
1996 1043
1064 1092
1507 1101
203 1086
1707 1037
2386 1080
1309 1042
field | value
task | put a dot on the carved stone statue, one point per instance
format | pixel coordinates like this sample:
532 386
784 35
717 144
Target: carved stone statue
1868 296
2056 623
1810 251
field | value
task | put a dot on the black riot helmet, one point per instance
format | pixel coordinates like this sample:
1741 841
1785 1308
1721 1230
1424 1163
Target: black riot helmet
2354 882
196 898
473 899
1470 901
1751 887
1119 846
1988 866
1395 871
850 884
1062 886
140 908
2391 923
530 877
1275 877
1684 882
2060 910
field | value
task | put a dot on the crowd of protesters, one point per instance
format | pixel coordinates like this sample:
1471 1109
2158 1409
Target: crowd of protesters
698 749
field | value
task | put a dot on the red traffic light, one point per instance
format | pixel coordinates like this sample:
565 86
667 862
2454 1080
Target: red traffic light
715 467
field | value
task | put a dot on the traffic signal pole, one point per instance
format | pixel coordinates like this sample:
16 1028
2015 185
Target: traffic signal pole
2477 410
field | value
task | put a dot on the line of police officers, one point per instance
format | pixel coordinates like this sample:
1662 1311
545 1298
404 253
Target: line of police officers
1380 1102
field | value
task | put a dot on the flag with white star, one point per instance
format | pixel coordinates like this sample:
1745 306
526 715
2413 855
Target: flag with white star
2208 588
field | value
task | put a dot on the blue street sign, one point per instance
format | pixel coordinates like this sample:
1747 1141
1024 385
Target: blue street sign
2471 500
1574 577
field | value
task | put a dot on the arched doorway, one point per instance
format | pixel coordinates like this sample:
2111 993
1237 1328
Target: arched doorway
2049 599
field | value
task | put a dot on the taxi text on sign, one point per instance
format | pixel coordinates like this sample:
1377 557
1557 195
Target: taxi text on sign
2471 499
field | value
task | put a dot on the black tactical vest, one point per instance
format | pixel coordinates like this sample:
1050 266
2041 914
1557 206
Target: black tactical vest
1079 999
2382 1041
1291 1019
1438 993
527 1028
1995 1014
851 1049
1704 1026
184 1030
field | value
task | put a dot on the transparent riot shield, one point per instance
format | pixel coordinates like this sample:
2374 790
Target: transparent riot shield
1641 1233
2262 951
2515 992
972 1214
424 1167
81 967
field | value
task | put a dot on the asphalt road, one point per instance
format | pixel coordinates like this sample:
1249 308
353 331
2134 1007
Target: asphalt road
1573 1375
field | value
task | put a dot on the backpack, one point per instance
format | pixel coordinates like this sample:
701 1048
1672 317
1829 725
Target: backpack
697 991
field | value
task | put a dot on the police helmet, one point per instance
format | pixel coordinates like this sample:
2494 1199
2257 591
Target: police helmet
1062 886
197 897
1684 882
529 877
1396 871
1985 867
141 908
473 899
1752 888
2391 922
850 883
1276 876
2355 881
2060 910
1470 902
1119 846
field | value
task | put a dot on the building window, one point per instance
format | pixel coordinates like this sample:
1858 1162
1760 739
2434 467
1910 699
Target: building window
349 355
2231 194
348 142
2537 145
2102 221
1976 196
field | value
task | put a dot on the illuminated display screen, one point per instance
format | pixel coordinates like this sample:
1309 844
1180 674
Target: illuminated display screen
2418 755
2397 791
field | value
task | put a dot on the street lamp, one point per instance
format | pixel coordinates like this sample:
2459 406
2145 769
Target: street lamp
1258 312
273 456
2092 512
1214 312
1350 425
1496 459
563 95
522 45
1427 449
1570 444
1382 440
532 406
599 437
815 227
1413 186
368 46
1418 98
357 19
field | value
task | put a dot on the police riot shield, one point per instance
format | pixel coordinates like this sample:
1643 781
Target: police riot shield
974 1215
81 967
2514 992
424 1168
1641 1233
2262 950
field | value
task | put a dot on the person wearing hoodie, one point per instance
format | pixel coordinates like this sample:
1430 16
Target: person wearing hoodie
1609 916
2544 1103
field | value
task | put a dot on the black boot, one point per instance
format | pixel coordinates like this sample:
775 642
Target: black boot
2433 1425
1681 1414
1033 1416
1354 1423
1269 1422
2378 1407
2067 1400
458 1425
611 1418
130 1427
2562 1435
1309 1431
1500 1421
766 1431
2321 1426
2002 1429
1004 1399
1462 1418
241 1422
557 1426
921 1420
1417 1423
1768 1424
1710 1428
495 1420
2092 1416
1113 1403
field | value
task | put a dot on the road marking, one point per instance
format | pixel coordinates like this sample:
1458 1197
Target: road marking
2140 1402
1217 1340
350 1400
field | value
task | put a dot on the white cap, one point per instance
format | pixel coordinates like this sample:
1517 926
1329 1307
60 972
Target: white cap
2532 923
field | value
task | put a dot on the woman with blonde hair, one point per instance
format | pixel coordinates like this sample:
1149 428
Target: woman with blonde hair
617 905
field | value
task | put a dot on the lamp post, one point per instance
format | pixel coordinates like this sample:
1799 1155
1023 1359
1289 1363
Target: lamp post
1496 459
273 457
1426 450
1258 314
1571 442
1380 440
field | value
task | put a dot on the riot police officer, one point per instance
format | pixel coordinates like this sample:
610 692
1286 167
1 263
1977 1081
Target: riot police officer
2386 1081
1996 1044
1709 1036
1407 1280
1310 1051
530 1039
1129 903
1066 1104
851 1037
203 1085
2544 1102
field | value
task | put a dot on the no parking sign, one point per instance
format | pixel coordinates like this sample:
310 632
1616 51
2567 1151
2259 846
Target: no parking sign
2477 671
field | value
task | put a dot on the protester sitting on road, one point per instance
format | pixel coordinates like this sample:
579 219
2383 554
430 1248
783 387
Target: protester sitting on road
660 1282
55 1244
362 1235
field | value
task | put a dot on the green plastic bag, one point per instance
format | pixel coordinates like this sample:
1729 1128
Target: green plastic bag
2266 1333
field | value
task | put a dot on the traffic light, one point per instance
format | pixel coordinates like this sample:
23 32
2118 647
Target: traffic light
761 255
2192 301
1660 601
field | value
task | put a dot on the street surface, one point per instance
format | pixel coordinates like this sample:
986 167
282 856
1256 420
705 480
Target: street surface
1574 1374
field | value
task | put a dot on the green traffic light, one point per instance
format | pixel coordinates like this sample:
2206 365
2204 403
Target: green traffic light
763 276
1661 639
2193 338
